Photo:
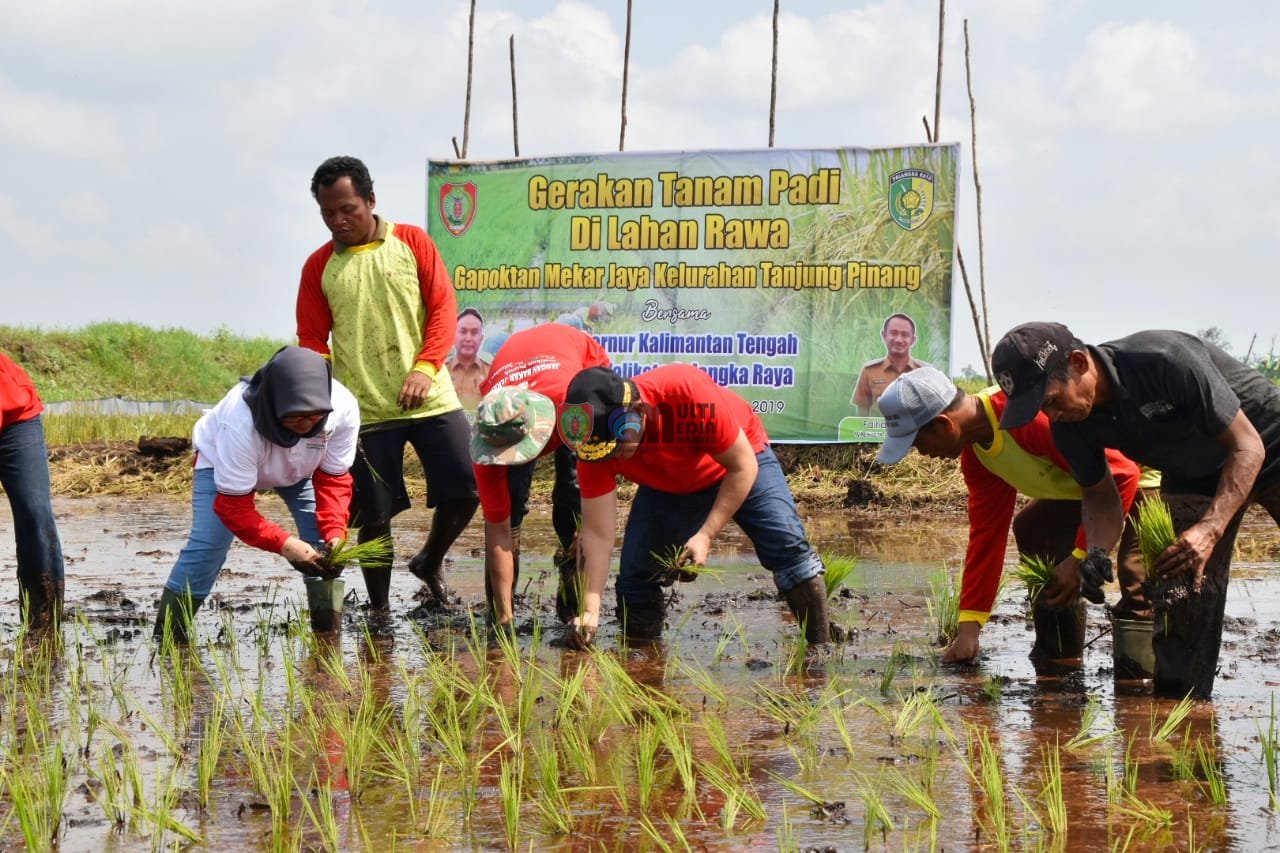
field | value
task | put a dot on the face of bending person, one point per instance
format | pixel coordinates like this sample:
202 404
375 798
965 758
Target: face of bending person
302 422
939 439
348 216
1071 400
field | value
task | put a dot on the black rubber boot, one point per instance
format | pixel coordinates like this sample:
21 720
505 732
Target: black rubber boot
176 615
377 580
808 603
447 523
641 624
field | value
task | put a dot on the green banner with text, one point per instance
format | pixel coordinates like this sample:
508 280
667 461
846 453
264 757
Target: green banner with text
805 280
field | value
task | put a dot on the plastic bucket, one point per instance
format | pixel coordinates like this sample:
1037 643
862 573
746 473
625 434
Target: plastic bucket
1134 656
324 599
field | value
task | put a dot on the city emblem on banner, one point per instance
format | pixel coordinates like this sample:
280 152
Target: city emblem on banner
911 197
457 207
574 423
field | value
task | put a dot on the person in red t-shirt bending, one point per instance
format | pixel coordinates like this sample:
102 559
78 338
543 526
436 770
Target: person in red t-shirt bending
515 426
700 457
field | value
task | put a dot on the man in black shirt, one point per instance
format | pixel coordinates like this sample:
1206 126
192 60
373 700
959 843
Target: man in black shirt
1171 401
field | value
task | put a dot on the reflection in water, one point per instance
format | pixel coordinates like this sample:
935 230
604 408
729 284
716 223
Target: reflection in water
723 737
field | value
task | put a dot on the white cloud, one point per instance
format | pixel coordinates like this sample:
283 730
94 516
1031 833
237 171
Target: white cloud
50 123
1146 78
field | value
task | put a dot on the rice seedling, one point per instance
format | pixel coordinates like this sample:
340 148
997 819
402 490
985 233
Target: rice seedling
919 706
1153 523
877 817
160 813
38 789
944 605
1089 719
210 749
1051 794
1270 743
1215 781
1144 812
917 793
551 801
652 833
676 740
671 561
893 666
983 764
993 687
1184 759
839 570
321 815
271 772
111 794
1036 571
374 554
702 681
1173 721
510 788
436 822
739 797
1129 785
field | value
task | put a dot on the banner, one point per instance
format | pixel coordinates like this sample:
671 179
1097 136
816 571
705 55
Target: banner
802 279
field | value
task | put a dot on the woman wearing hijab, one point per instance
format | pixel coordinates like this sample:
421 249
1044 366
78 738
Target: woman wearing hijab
290 428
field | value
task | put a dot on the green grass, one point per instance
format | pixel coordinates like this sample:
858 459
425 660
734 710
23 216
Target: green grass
1036 572
133 361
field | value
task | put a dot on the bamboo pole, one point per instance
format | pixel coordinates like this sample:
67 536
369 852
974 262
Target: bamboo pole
626 69
773 75
515 115
977 186
937 86
471 53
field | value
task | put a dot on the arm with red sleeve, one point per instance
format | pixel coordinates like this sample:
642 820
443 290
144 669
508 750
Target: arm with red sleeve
312 315
991 502
241 517
333 503
437 295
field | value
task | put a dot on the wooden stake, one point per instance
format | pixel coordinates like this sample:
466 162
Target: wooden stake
457 152
773 76
937 86
977 186
626 67
471 53
977 323
515 115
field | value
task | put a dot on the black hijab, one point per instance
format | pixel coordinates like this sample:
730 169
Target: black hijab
294 381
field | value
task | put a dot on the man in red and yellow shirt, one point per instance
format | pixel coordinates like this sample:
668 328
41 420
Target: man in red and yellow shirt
377 300
24 474
700 457
925 410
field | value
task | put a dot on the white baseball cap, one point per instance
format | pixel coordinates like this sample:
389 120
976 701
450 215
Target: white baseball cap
910 402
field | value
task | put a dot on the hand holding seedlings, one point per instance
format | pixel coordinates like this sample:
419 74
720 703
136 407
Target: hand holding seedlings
1188 554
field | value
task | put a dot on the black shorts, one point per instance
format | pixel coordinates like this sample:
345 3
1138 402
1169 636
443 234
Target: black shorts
442 443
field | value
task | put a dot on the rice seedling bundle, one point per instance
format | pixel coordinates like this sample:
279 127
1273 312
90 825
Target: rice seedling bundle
1154 525
1037 572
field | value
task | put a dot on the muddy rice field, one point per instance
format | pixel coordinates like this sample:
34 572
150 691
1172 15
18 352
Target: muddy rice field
418 732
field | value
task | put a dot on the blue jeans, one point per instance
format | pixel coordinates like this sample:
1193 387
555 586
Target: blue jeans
660 520
207 545
24 473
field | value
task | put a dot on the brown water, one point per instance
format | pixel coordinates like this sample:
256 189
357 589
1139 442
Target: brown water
836 728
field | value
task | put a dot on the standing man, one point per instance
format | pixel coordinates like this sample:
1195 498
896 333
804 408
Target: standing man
700 457
516 426
1169 400
899 335
466 368
379 291
24 474
925 410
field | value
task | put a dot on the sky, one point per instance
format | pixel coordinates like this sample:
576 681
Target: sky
158 153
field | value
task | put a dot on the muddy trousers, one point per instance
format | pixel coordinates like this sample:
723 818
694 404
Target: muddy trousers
24 474
1187 634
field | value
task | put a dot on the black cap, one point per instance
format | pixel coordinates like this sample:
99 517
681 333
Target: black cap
605 392
1022 361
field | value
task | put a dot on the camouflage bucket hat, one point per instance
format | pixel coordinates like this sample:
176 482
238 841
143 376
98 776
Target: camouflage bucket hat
512 426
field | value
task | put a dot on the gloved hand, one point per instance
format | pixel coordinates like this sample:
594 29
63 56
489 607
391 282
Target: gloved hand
1095 570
